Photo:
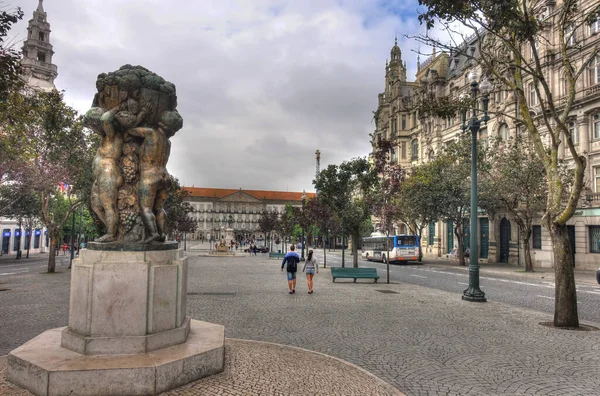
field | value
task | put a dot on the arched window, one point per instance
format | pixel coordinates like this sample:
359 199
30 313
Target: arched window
504 132
574 132
431 155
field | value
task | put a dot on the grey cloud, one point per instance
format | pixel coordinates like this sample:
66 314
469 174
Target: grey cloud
261 84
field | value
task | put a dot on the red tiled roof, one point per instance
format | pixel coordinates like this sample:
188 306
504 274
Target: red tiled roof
259 194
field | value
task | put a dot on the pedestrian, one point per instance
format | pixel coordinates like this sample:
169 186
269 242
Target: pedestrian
310 265
291 259
64 249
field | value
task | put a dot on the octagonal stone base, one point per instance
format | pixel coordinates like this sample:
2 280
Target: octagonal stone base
43 367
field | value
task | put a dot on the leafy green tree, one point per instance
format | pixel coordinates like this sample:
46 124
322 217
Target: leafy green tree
179 219
267 223
344 188
513 48
382 196
286 223
10 57
515 184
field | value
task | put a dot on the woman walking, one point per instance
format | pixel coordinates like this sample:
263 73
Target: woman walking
310 265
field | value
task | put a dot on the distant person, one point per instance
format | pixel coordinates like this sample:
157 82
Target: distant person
310 266
291 259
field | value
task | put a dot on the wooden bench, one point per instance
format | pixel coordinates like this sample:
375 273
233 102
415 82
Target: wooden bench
355 273
277 255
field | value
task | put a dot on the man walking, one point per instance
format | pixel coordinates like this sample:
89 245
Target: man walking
292 259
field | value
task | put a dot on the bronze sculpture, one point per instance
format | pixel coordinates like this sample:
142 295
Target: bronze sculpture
134 111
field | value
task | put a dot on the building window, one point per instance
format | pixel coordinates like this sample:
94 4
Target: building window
403 150
483 136
537 236
574 132
394 126
415 150
42 36
17 240
594 239
596 178
532 95
595 25
504 132
570 35
41 57
596 126
431 233
594 71
394 156
403 121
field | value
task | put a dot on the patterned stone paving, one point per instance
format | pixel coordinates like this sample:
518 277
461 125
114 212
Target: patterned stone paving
422 341
258 368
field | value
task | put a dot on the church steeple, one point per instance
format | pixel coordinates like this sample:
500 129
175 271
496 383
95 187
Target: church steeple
396 65
37 65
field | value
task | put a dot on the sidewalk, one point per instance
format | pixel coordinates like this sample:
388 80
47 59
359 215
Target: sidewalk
584 277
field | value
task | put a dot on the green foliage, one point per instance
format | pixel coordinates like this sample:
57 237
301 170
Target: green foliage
178 210
345 189
10 59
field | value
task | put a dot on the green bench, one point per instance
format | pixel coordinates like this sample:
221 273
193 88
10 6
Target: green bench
355 273
277 255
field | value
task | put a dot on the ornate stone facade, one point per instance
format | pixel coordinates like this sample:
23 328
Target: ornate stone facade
419 139
216 208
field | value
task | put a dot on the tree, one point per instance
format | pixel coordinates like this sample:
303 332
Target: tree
178 210
344 188
320 214
418 202
51 157
10 58
268 223
390 180
286 223
514 47
515 184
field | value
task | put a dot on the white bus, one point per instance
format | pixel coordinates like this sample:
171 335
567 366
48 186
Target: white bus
401 248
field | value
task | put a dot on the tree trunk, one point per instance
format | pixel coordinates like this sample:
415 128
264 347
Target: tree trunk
51 256
459 250
324 253
420 248
565 295
355 238
527 251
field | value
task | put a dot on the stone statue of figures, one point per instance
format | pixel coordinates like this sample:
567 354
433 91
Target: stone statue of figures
134 111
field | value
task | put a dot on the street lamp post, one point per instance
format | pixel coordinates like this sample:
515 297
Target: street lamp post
303 222
473 292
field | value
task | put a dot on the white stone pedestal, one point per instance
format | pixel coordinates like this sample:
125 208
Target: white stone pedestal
128 332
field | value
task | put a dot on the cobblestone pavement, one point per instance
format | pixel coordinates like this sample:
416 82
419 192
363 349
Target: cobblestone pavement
258 368
421 340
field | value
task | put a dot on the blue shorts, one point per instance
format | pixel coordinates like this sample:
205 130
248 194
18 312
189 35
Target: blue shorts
291 276
310 271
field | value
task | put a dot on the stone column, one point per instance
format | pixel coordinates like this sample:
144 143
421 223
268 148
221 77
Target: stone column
584 134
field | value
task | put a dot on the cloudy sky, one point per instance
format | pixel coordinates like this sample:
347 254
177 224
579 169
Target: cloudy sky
261 84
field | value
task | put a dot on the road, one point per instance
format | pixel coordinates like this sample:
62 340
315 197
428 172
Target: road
29 265
535 294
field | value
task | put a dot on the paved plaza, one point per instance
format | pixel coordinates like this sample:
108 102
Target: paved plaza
420 340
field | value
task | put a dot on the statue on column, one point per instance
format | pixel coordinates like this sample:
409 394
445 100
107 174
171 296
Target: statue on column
134 111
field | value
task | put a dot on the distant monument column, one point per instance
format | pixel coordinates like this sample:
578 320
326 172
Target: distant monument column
128 331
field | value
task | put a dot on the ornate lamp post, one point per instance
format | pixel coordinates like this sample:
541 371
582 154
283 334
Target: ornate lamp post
303 222
473 292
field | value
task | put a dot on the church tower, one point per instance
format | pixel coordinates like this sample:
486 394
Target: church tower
396 69
38 70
